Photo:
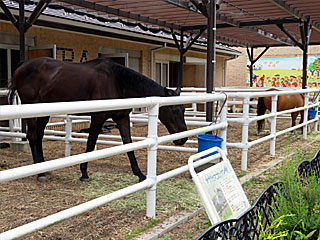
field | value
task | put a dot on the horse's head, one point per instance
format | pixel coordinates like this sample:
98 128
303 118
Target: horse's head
173 117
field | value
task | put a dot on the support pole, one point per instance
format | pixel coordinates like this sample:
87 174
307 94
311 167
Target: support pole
253 61
181 60
22 47
211 61
21 30
183 48
305 32
251 65
304 67
305 35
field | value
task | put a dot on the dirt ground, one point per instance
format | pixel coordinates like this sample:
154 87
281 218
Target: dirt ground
26 200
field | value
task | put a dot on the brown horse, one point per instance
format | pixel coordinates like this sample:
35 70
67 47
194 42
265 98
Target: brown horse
284 102
48 80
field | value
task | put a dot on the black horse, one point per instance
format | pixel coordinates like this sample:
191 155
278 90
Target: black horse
44 80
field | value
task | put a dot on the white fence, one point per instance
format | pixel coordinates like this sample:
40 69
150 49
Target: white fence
245 119
152 143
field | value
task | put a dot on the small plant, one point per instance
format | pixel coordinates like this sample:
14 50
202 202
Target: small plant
167 237
300 198
132 234
299 235
271 231
241 174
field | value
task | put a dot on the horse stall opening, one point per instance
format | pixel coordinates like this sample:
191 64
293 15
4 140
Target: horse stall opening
151 143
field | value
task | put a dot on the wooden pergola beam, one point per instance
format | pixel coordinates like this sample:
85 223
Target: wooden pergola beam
232 22
121 13
8 13
294 12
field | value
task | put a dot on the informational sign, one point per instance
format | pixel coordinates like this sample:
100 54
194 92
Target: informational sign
224 191
284 72
218 186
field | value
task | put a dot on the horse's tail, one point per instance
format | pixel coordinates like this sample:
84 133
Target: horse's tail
261 109
11 86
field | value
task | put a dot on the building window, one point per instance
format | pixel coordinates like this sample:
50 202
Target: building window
162 73
9 59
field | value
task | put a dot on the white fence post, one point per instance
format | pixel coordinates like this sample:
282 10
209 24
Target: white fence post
273 125
194 105
305 116
153 112
68 130
15 123
223 131
245 130
233 105
317 109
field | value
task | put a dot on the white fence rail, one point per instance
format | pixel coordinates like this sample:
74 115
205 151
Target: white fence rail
245 119
151 143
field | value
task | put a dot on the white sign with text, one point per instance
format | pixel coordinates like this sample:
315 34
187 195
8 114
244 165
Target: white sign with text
219 188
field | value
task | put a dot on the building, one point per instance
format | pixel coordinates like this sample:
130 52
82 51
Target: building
76 36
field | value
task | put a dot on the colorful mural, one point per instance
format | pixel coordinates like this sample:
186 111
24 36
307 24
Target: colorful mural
284 72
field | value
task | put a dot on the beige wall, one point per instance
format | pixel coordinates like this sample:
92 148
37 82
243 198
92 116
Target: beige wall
237 68
78 47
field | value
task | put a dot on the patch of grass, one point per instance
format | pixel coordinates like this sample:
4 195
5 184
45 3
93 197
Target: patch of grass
252 183
166 237
151 223
271 179
241 174
189 235
172 195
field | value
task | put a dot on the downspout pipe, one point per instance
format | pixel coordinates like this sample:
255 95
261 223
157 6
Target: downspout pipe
152 57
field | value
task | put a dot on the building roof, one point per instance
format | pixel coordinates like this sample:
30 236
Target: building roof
74 13
239 22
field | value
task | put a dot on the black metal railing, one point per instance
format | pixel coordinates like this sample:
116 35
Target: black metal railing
248 226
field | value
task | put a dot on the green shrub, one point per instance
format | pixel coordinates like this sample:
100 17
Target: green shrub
300 198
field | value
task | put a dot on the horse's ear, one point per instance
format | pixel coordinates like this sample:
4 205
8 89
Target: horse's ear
169 92
178 91
166 93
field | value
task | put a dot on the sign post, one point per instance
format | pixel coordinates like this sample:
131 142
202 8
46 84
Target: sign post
219 188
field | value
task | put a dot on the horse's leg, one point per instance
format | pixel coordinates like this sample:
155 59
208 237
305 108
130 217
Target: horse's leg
294 116
123 124
97 121
301 120
41 124
261 109
34 136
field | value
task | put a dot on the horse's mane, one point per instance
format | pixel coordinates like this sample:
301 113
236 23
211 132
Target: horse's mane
130 79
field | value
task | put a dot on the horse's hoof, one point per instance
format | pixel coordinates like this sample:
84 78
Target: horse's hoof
84 179
142 178
42 179
4 145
